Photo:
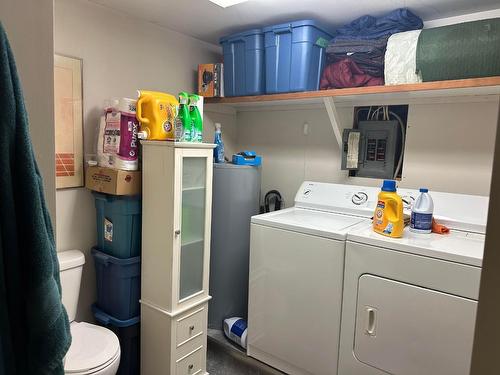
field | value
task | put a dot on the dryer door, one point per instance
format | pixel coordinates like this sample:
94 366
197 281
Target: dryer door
405 329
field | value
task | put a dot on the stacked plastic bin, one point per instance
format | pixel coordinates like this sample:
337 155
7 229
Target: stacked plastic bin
118 273
281 58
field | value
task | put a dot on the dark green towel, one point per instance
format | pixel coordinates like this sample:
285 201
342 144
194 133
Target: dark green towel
34 326
465 50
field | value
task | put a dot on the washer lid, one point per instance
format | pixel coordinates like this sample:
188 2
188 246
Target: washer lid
92 347
317 223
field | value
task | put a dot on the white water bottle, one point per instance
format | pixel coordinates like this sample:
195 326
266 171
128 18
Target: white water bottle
421 213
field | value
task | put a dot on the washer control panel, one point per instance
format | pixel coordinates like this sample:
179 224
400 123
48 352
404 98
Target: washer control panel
359 198
408 201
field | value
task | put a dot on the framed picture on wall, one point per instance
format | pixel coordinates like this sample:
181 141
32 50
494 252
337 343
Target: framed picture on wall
68 121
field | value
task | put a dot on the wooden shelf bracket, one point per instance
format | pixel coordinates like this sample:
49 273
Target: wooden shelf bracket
333 115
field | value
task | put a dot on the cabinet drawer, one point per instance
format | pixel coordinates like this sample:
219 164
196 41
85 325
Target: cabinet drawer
190 326
191 364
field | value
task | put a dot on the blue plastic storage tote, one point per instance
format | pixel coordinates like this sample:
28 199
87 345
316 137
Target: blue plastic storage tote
295 56
243 63
128 332
118 224
118 284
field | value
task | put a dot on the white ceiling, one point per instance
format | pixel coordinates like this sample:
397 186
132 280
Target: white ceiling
207 21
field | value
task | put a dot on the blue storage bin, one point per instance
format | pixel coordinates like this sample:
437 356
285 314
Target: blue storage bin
128 332
295 56
118 284
243 63
118 224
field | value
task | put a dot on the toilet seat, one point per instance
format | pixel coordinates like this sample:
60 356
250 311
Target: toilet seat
93 348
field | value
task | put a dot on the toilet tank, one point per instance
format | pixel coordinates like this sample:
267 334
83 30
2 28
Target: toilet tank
70 270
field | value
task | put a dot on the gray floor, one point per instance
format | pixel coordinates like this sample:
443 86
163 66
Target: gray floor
225 358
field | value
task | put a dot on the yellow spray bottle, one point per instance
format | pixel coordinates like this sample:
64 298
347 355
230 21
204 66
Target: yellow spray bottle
388 218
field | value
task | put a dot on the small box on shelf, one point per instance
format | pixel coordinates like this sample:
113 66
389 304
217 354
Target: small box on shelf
113 181
210 80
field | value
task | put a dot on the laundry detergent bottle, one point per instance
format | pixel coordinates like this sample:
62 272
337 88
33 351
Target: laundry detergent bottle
388 218
156 112
196 120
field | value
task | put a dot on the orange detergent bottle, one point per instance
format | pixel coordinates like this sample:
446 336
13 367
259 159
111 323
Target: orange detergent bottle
388 218
156 111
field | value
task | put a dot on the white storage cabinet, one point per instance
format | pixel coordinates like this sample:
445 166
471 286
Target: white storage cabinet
176 217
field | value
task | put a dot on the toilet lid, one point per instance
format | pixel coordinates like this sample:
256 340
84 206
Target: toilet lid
92 346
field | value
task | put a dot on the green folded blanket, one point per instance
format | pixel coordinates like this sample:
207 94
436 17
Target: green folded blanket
465 50
34 326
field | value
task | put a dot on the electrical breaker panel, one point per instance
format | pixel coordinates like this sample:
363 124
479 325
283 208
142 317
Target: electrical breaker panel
372 149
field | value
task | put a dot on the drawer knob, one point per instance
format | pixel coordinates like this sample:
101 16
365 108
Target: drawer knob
190 367
177 232
191 328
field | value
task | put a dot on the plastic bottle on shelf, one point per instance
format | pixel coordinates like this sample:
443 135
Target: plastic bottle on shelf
184 119
196 120
421 213
219 148
156 112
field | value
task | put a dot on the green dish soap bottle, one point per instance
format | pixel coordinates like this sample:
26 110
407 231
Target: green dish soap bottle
184 122
196 120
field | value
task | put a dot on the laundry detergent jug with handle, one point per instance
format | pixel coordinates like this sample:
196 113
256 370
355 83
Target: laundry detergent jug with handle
421 213
388 218
156 111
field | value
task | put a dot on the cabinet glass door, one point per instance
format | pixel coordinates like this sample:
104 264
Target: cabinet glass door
192 225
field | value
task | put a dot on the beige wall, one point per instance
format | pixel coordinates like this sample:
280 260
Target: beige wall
486 344
30 31
120 54
449 147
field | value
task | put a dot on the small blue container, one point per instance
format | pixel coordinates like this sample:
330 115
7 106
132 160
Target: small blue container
118 224
118 285
295 56
247 158
243 63
128 332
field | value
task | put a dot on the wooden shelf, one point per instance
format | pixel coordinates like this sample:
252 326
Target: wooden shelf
462 90
394 93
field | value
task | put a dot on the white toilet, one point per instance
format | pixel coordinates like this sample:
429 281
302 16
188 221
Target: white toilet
94 350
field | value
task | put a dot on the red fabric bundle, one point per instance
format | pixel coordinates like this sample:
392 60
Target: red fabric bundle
346 73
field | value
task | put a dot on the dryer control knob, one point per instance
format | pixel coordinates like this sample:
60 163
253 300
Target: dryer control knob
359 198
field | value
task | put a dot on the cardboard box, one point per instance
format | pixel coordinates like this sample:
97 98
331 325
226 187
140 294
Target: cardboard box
211 80
113 181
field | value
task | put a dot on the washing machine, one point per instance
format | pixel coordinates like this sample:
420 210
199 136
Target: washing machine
409 305
296 276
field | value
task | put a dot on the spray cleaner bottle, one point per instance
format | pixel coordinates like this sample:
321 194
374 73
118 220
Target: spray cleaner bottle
219 148
196 120
184 118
